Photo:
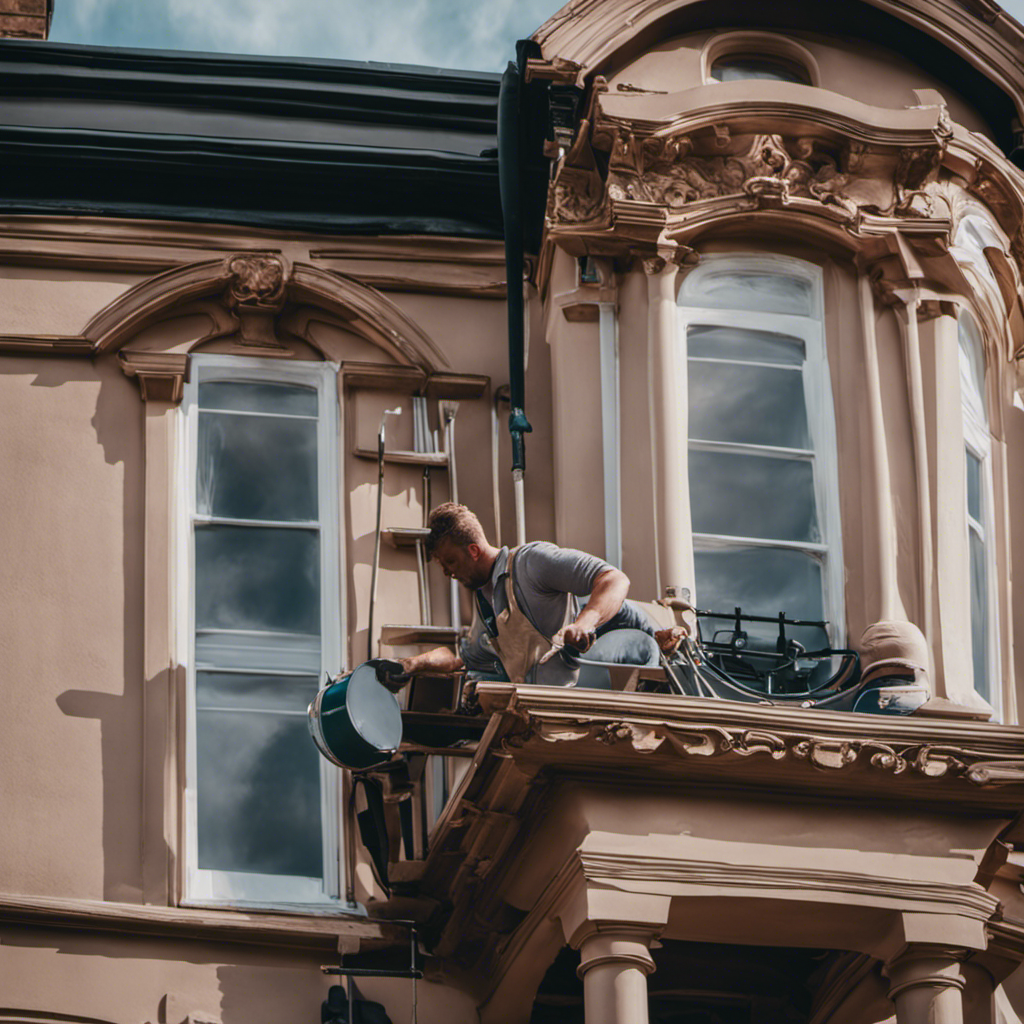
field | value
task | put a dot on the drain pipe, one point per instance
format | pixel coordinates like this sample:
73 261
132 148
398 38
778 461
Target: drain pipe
511 212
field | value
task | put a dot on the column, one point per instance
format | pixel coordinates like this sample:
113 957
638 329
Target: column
891 606
927 984
979 994
614 965
669 428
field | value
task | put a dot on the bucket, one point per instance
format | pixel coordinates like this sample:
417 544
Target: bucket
355 721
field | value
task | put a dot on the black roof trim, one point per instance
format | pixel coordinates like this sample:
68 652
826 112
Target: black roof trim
248 140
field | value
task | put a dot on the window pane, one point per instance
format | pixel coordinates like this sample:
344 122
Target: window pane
753 496
763 292
254 693
761 581
747 404
775 69
256 467
258 794
244 396
251 577
979 615
749 346
973 486
972 367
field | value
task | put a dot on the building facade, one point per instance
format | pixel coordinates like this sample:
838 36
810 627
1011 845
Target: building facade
772 295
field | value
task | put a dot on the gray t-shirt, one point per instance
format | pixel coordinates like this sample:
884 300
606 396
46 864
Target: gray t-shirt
544 574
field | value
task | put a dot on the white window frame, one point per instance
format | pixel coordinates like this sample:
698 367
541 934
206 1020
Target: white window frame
978 441
205 887
820 414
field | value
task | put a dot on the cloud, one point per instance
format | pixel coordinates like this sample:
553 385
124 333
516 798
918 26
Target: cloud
441 33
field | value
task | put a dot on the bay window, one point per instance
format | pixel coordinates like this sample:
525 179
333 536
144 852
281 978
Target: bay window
762 449
260 539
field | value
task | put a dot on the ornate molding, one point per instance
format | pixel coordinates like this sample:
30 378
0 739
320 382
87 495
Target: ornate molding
929 760
662 185
161 375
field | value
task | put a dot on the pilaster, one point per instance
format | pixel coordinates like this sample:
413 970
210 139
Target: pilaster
669 428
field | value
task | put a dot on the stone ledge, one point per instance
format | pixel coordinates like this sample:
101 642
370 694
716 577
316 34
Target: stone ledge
327 931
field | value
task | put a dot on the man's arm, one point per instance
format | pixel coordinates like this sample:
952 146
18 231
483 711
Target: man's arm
439 661
609 591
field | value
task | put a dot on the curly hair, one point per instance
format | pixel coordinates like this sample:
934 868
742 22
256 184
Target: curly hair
454 523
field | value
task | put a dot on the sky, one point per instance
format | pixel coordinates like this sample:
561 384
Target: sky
477 35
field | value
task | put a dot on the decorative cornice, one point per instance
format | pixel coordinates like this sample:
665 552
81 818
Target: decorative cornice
859 170
884 754
827 753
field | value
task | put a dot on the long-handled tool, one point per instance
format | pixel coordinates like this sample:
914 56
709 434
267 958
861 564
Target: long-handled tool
376 538
447 408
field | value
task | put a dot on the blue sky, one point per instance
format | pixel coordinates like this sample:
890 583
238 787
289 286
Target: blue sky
471 34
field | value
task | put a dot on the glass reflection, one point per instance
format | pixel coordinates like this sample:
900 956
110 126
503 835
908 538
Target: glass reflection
251 577
973 486
712 341
773 69
258 794
257 467
762 581
761 292
747 404
753 496
242 691
979 615
258 396
972 366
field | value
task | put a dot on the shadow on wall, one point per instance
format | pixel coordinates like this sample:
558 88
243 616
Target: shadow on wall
118 425
257 995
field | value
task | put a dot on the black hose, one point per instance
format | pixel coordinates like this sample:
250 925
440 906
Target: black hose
510 185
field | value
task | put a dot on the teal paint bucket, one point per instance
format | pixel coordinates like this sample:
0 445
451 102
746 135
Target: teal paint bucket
355 721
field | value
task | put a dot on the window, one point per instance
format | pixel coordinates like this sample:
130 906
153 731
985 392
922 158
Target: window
980 519
260 536
751 54
735 67
762 450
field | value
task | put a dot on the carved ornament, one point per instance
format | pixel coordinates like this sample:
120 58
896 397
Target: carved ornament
256 292
930 760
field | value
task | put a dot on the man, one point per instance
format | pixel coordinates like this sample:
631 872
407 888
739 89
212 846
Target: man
528 624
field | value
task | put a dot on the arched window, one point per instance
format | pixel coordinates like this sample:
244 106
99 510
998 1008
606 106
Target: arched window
980 518
733 67
762 449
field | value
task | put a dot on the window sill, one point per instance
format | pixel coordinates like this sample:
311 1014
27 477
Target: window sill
315 930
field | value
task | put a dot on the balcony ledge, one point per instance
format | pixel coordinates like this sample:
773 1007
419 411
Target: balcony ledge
970 764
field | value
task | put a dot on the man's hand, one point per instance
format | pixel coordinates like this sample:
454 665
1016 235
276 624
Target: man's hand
580 638
606 597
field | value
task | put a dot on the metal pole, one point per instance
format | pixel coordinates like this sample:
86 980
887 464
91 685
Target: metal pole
377 532
511 209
